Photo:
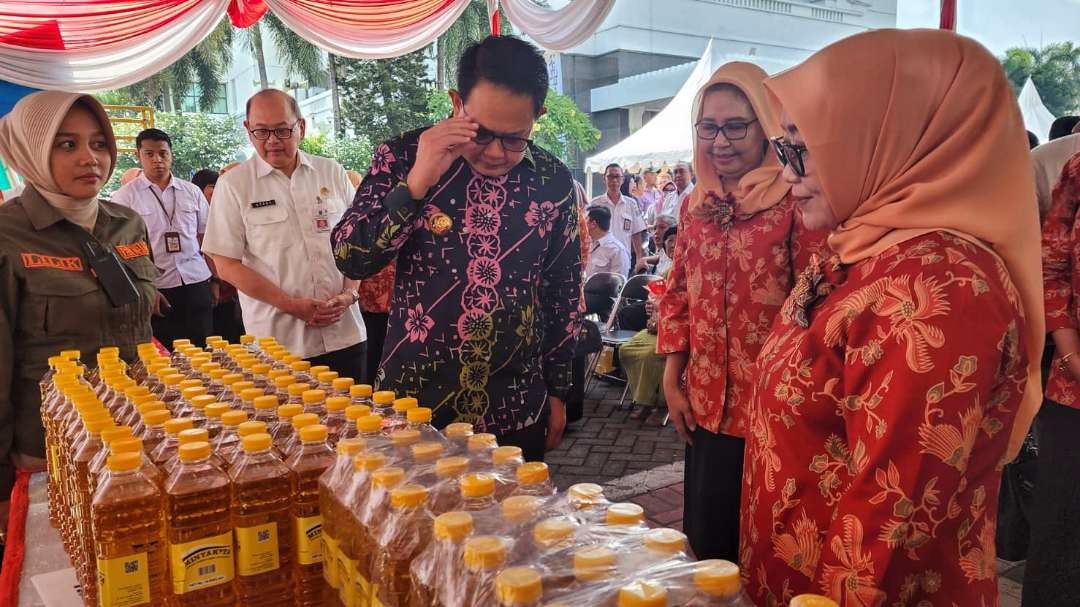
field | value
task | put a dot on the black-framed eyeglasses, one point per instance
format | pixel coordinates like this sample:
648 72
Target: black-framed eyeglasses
282 133
790 154
509 143
733 131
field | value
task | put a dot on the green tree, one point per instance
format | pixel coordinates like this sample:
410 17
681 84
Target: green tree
564 130
299 56
353 153
385 97
1055 70
471 26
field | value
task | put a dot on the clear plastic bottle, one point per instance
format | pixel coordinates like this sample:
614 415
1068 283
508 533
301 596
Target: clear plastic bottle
484 557
199 530
308 462
83 536
326 381
299 422
369 428
400 416
717 584
518 510
315 402
594 564
153 432
519 587
186 437
446 492
372 516
314 371
265 409
643 593
812 600
197 408
383 403
479 447
214 411
138 426
406 532
334 420
281 387
259 373
166 450
147 468
302 371
353 413
244 429
348 526
260 505
341 386
332 486
443 562
282 429
458 434
625 514
247 399
477 492
534 478
228 441
296 393
129 534
97 464
228 394
585 496
403 441
504 463
361 395
170 394
216 385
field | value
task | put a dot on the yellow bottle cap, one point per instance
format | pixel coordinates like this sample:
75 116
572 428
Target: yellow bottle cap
360 391
143 399
643 593
233 417
403 404
97 423
369 423
122 462
355 412
276 374
203 401
312 397
427 451
156 417
477 485
218 375
626 513
383 397
127 445
458 430
108 351
193 435
302 420
178 425
108 435
337 403
484 553
230 379
585 495
665 541
505 455
189 383
180 343
265 402
451 466
315 370
405 437
482 441
216 410
300 366
518 587
418 415
342 384
289 359
716 577
533 473
551 532
409 495
312 433
193 451
812 600
327 377
388 477
249 428
247 339
284 382
520 508
594 563
71 354
173 379
453 526
260 368
135 390
257 442
246 362
369 462
248 395
297 390
351 446
287 412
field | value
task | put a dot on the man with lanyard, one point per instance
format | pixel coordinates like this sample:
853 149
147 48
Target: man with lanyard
269 236
627 224
175 213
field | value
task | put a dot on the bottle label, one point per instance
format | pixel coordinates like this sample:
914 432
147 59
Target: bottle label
309 546
124 581
346 575
257 549
201 563
330 557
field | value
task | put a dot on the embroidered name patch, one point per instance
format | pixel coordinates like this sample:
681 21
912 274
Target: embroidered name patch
37 260
133 250
263 203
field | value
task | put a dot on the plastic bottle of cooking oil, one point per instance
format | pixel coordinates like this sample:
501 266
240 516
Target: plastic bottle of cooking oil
198 405
383 403
534 478
129 536
400 416
477 491
83 536
484 556
282 429
308 462
186 406
625 514
238 389
299 422
444 561
170 394
264 409
403 441
518 510
361 394
154 429
504 463
259 506
405 533
228 394
812 600
372 517
458 434
332 486
296 394
167 449
191 435
479 447
446 492
369 428
341 386
229 439
214 411
424 456
199 530
244 429
97 465
717 584
281 386
315 401
138 422
348 526
334 420
643 593
592 565
147 468
301 370
518 587
585 496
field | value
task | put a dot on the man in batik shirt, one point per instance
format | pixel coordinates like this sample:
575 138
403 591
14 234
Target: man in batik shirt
483 226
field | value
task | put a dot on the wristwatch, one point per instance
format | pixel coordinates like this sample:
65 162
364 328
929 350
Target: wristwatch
352 293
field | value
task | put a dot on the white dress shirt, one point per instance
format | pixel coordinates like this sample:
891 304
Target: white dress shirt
1049 160
280 228
626 219
607 254
180 208
673 201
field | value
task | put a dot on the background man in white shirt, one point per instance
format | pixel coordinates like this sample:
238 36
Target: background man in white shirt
683 178
606 253
175 213
269 236
627 224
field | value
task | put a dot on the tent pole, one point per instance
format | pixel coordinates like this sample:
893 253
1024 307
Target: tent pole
588 183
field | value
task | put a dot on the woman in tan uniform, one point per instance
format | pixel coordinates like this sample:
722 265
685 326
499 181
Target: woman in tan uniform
51 237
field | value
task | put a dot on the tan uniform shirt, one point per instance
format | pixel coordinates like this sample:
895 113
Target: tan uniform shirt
49 302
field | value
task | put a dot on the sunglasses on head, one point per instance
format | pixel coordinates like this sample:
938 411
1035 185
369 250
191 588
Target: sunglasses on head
790 154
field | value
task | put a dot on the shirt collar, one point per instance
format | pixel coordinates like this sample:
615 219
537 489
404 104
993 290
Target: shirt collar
145 183
42 215
263 168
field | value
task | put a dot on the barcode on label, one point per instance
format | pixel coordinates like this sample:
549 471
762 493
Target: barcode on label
207 569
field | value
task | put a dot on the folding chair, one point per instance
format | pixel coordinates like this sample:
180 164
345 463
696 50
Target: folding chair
610 334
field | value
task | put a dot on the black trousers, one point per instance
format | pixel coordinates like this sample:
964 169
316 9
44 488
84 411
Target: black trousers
191 315
227 321
1052 576
375 324
348 362
531 439
713 485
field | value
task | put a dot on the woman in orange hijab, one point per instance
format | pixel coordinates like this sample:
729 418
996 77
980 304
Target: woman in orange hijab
900 370
733 266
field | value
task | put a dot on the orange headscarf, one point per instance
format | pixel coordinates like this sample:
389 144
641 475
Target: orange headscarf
762 187
917 131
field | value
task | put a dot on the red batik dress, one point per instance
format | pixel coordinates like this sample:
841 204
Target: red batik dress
729 276
886 393
1061 275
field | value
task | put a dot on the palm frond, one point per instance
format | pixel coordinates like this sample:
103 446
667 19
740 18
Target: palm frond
299 56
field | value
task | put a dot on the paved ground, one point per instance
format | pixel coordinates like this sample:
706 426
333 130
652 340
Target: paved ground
642 462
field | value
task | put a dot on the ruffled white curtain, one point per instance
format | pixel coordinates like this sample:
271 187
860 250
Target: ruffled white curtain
555 30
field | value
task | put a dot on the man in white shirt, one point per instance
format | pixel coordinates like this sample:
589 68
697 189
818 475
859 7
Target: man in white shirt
175 212
269 236
627 224
606 253
682 176
1049 159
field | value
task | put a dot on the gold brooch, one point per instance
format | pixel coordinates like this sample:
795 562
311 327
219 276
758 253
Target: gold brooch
440 223
324 191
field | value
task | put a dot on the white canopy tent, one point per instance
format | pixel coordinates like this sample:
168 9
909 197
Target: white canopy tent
1037 118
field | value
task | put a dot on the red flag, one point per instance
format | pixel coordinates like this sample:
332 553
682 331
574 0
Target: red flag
948 15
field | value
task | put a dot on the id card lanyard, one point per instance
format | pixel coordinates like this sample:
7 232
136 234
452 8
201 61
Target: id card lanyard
172 237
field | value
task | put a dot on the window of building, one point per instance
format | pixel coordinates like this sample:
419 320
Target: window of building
190 101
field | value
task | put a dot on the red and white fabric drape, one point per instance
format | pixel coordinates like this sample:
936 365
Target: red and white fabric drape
95 45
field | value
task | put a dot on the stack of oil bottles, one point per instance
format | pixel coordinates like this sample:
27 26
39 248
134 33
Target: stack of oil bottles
239 474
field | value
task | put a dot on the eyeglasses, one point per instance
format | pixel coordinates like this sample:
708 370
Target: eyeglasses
733 131
510 144
282 133
790 154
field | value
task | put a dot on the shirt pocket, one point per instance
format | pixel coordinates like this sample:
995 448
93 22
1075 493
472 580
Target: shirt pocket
267 230
69 306
187 216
